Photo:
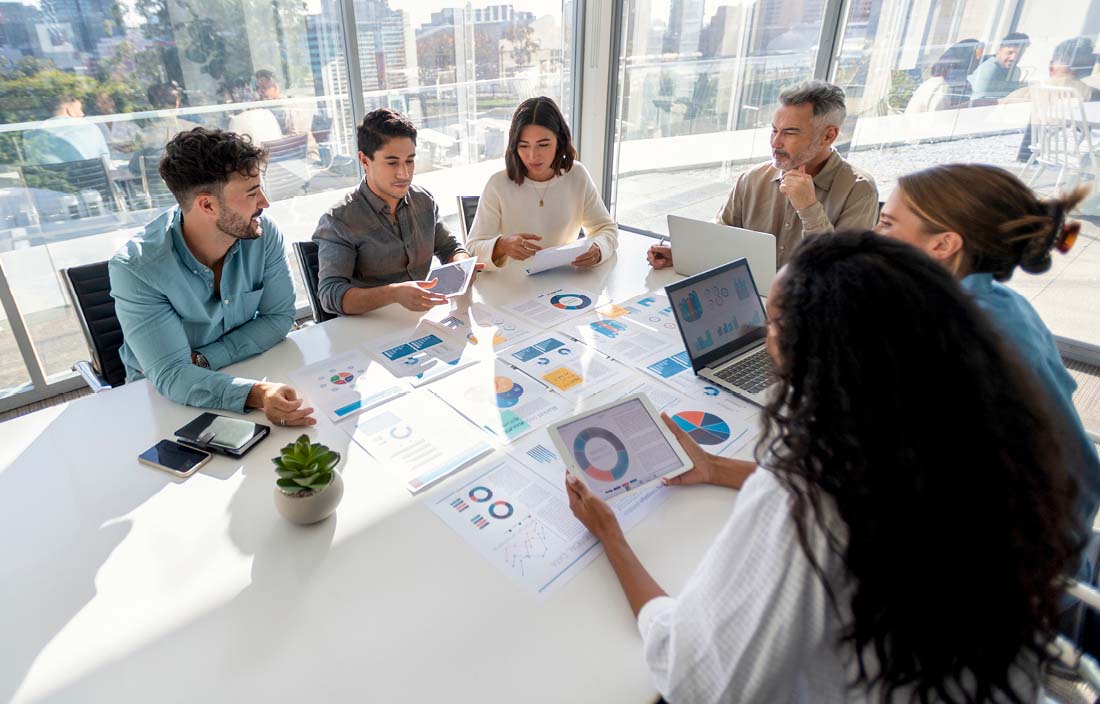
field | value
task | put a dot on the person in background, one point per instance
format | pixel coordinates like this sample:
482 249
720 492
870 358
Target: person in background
947 87
292 119
160 130
375 247
206 284
543 197
807 188
855 566
120 133
65 137
258 123
1072 61
982 223
999 75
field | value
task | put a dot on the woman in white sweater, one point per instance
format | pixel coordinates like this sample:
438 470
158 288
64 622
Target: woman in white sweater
903 536
543 197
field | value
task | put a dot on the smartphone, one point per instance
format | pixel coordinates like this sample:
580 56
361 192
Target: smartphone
174 458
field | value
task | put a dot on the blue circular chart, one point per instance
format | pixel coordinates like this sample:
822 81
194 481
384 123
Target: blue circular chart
570 301
400 432
500 509
480 494
622 459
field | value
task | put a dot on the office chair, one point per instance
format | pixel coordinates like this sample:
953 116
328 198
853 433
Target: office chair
467 209
306 254
156 192
89 288
89 180
288 170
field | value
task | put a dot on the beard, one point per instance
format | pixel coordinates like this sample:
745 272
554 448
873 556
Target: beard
237 227
785 161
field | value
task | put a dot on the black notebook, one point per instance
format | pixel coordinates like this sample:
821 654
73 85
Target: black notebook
221 434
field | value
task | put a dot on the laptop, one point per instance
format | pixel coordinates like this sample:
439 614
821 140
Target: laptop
698 246
723 325
467 209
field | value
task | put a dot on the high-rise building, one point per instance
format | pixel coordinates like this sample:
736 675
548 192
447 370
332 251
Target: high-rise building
486 26
17 34
685 24
91 20
387 50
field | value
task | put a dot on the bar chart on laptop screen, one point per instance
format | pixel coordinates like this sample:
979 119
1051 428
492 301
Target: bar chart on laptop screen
717 310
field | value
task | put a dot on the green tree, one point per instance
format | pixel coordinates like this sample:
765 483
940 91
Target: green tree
24 98
524 44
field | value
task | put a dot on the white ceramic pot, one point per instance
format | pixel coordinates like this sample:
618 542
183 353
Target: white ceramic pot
312 507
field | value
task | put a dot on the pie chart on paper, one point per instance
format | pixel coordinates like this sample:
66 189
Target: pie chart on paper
704 428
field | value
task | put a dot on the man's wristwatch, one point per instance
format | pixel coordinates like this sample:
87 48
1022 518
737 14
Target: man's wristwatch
199 360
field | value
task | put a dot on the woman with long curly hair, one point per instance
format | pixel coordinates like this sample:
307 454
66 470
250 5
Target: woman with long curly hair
904 532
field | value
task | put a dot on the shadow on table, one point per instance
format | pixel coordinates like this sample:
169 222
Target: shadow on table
61 522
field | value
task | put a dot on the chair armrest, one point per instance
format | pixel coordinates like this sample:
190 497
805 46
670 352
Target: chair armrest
95 381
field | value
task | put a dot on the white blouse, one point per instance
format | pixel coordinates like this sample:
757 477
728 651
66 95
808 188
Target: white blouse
754 623
570 201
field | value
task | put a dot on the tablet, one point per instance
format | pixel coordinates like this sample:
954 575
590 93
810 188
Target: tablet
454 278
618 447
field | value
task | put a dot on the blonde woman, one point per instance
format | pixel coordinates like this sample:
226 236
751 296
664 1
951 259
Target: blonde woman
982 223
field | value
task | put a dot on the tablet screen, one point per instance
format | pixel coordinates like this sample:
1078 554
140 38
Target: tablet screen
453 278
619 448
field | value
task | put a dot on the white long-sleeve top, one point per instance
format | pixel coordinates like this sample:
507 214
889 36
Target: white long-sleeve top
570 202
753 623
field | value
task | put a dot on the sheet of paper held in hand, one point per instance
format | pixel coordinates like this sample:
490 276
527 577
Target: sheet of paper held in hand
553 257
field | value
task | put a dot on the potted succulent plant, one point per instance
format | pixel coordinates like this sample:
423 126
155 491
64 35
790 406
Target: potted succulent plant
308 488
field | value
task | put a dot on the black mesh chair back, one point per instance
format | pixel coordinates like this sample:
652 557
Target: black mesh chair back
288 170
89 287
89 180
156 191
306 254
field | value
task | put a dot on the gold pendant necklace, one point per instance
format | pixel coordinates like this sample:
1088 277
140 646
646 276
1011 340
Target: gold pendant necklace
541 194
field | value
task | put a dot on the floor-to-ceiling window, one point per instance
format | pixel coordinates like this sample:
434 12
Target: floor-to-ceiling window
90 91
927 82
939 81
697 83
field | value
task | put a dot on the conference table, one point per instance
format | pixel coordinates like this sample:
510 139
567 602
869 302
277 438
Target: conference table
121 583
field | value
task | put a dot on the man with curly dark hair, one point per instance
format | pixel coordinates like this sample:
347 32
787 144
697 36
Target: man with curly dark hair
206 284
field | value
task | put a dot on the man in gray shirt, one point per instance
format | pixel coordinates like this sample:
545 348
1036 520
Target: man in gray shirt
376 246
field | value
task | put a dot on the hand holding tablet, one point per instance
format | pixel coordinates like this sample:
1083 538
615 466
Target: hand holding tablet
619 447
453 279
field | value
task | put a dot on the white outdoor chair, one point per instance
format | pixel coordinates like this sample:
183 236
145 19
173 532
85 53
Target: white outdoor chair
1060 136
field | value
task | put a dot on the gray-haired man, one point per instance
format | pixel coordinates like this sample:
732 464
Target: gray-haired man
806 188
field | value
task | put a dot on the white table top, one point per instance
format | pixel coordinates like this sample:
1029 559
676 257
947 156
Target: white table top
122 584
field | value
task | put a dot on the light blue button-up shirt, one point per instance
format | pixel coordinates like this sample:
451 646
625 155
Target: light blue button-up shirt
1014 317
164 299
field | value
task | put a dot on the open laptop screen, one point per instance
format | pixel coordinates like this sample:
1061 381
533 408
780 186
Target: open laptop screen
718 311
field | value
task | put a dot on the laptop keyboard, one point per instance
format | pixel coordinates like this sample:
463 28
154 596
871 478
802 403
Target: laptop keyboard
753 373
